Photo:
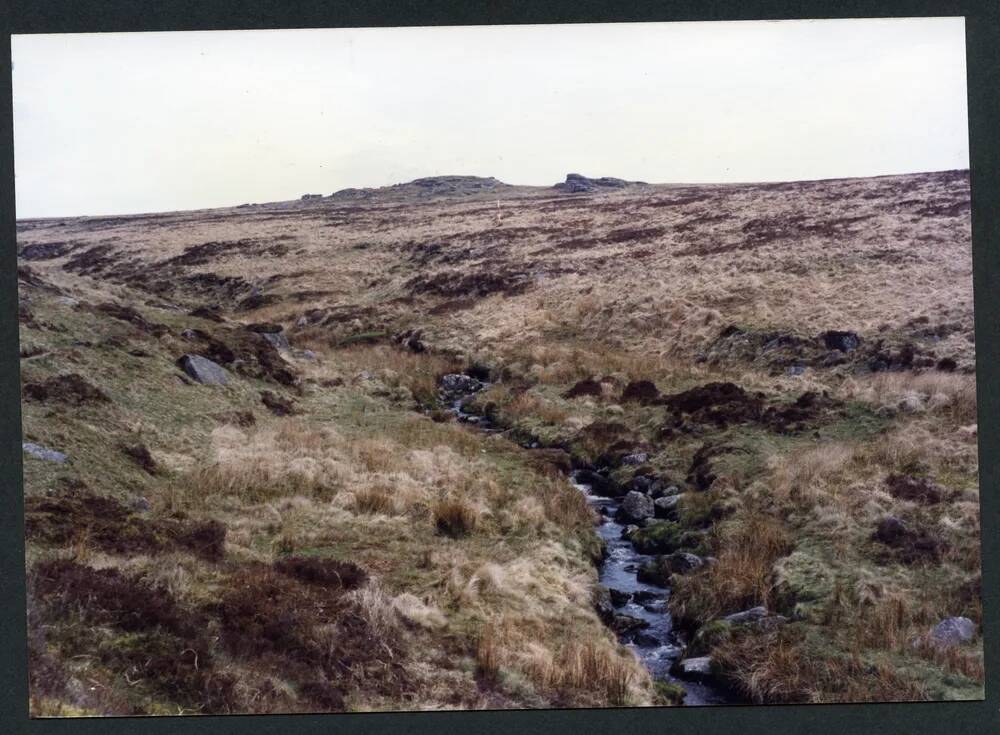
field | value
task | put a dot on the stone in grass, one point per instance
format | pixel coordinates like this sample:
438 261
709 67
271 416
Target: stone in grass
667 507
952 632
203 370
49 455
747 616
277 340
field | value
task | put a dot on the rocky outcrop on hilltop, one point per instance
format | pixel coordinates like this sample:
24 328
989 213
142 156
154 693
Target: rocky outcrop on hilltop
427 187
577 184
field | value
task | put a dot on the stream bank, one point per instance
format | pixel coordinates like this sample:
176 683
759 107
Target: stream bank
637 611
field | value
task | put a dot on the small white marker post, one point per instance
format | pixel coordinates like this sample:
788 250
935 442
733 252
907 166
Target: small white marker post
499 218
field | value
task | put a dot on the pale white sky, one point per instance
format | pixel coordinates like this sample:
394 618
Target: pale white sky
141 122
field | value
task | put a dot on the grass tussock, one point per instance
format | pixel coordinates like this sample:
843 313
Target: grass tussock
742 576
454 516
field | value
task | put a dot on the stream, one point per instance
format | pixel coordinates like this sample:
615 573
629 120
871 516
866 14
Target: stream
657 645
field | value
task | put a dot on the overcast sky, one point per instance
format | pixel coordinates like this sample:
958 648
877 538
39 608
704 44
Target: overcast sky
143 122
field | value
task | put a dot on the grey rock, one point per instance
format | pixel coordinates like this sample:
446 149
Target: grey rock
203 370
602 604
795 370
747 616
682 562
627 623
49 455
619 597
455 385
635 507
308 355
277 340
695 668
771 622
952 632
667 507
635 459
662 490
140 505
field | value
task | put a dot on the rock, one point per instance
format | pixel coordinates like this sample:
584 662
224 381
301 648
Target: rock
140 505
891 530
276 404
308 355
622 624
264 327
635 507
843 341
666 507
411 339
659 489
629 531
747 616
771 623
795 370
635 459
952 632
682 562
302 321
619 597
456 385
279 341
49 455
694 668
598 484
602 604
640 483
203 370
655 572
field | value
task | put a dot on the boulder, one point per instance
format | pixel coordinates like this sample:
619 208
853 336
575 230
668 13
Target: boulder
951 632
203 370
667 507
277 340
598 484
635 459
602 604
747 616
694 668
660 489
682 562
622 624
619 597
456 385
635 508
49 455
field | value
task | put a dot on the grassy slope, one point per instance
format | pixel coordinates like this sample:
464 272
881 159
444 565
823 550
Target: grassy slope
625 286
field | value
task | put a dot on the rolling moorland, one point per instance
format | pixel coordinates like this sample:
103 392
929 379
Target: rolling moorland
250 486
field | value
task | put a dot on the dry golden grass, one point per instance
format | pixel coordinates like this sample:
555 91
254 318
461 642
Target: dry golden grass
741 577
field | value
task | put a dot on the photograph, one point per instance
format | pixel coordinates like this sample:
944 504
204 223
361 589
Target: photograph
497 367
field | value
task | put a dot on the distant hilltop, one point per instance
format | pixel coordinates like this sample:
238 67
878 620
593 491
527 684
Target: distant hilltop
448 186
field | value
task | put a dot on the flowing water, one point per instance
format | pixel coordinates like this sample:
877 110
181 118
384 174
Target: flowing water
658 645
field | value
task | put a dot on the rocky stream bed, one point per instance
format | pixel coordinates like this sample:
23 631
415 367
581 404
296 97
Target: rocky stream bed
636 610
